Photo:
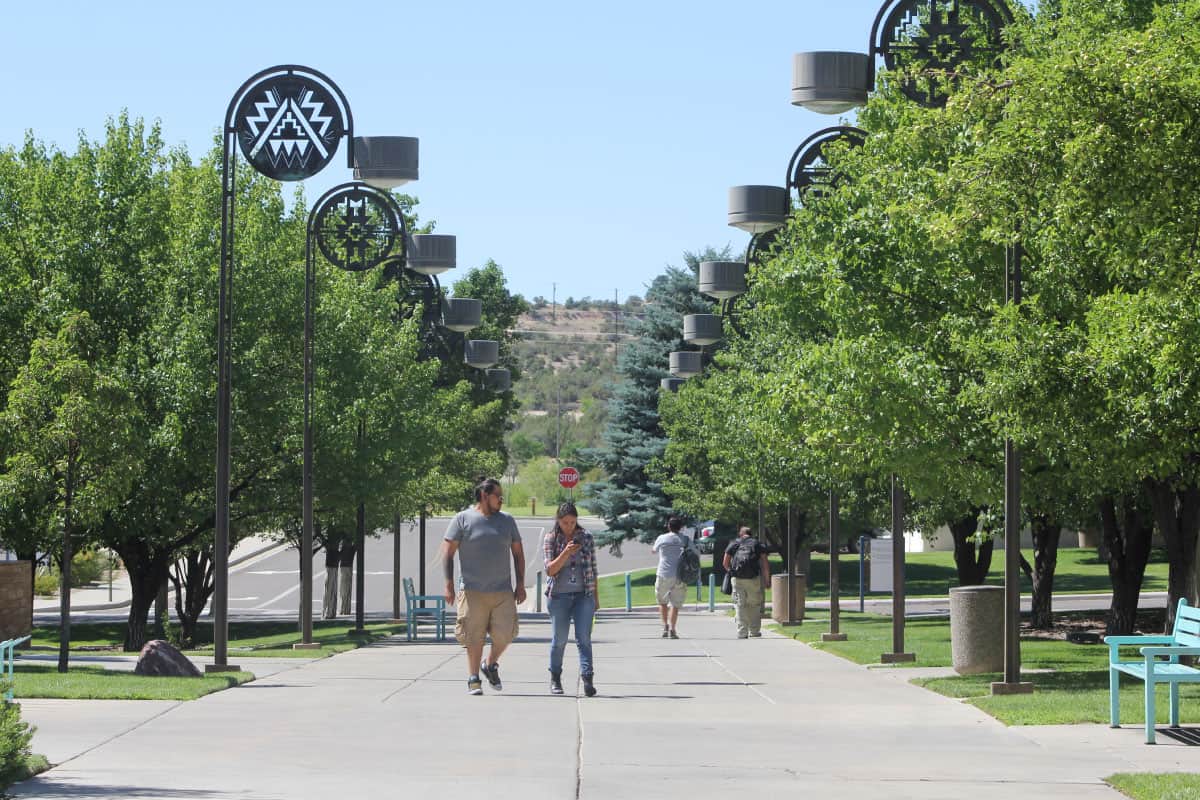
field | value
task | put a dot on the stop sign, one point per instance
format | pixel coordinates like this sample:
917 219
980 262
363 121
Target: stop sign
568 477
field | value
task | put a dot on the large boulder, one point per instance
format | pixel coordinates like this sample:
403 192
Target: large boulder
160 658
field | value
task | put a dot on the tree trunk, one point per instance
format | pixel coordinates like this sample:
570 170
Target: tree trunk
973 563
1127 538
147 571
346 574
193 580
1177 514
31 557
1046 533
802 556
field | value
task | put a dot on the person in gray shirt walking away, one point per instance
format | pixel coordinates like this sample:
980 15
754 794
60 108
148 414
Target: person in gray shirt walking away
668 589
484 538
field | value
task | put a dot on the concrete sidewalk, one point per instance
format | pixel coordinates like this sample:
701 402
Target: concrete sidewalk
687 718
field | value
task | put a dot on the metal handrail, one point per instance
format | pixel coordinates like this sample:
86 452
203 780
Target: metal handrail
7 657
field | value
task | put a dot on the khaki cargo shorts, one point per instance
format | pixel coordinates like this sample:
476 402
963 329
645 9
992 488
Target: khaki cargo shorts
669 591
483 613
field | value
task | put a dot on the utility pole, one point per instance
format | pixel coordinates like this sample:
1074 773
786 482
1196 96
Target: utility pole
616 324
554 302
557 418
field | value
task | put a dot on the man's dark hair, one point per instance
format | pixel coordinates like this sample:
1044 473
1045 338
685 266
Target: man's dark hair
484 487
744 530
674 524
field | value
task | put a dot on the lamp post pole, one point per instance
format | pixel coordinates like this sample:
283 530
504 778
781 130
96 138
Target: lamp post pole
835 634
897 655
355 226
1012 683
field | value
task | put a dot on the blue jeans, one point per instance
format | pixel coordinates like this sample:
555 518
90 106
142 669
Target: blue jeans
579 607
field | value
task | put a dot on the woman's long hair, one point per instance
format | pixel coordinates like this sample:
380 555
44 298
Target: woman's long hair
567 509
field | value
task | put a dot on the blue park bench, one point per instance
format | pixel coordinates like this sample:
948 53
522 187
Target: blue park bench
414 612
7 657
1159 664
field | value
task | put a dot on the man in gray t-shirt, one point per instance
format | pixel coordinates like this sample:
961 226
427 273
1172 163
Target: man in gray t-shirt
668 589
485 538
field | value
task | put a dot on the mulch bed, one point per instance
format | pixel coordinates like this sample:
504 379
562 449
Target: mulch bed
1088 626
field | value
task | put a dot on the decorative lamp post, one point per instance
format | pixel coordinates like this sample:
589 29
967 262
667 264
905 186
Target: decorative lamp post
481 353
686 363
808 172
723 280
831 82
432 253
498 379
386 162
355 227
287 121
461 314
929 41
758 209
702 329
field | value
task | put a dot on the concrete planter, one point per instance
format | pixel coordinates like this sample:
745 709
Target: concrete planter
779 596
977 629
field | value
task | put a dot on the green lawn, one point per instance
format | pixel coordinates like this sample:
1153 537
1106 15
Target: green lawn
246 639
1076 691
275 639
1165 786
96 683
1079 571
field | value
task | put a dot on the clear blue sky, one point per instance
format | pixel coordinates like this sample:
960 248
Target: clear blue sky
584 144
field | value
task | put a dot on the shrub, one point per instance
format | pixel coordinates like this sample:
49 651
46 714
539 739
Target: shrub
15 736
88 566
45 584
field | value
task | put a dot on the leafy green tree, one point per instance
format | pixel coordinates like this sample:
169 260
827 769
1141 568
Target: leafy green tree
71 440
907 359
1096 370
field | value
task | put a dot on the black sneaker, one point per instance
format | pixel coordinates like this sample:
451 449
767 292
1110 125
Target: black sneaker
492 673
474 685
674 635
588 687
666 631
555 684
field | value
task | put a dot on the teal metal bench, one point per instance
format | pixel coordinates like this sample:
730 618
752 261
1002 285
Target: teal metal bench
7 656
1159 664
414 612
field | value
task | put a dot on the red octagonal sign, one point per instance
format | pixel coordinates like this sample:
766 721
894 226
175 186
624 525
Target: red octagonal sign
568 477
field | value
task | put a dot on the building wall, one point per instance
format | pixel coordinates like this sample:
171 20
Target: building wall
942 541
16 599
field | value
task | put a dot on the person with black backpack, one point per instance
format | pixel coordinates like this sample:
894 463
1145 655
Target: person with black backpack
746 559
675 558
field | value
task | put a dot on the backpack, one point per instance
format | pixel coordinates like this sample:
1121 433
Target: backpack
688 570
744 563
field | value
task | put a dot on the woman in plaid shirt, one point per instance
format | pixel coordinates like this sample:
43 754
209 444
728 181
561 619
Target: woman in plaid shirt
570 556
